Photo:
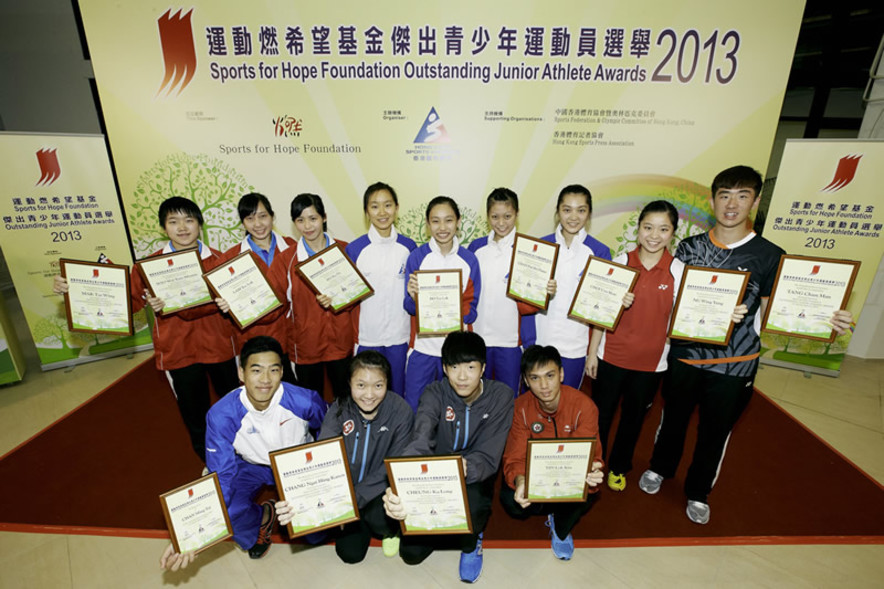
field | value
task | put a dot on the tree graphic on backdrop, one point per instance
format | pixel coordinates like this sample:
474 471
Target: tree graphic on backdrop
413 223
214 185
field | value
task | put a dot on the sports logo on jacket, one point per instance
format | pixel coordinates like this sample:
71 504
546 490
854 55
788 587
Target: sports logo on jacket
449 413
349 426
179 54
536 427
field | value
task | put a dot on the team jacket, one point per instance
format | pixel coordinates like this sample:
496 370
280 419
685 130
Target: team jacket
498 315
576 417
553 327
235 429
380 320
369 442
640 342
428 257
273 324
316 334
444 424
192 336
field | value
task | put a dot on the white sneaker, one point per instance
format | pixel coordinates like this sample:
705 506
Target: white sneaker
698 512
650 482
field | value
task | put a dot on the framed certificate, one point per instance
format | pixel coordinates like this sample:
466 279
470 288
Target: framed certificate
599 297
177 279
807 292
331 273
242 283
438 302
196 515
315 480
532 266
434 493
557 468
705 303
98 299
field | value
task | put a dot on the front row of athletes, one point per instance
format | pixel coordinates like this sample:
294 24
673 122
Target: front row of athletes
267 414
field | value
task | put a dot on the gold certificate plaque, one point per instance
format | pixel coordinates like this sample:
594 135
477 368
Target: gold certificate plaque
331 273
177 279
438 302
808 290
532 266
242 283
433 492
599 297
706 300
98 299
196 515
315 480
557 469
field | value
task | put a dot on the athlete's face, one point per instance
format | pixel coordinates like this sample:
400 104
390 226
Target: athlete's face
261 376
368 387
443 224
466 379
573 213
732 206
502 218
545 383
259 225
382 210
654 232
309 224
182 229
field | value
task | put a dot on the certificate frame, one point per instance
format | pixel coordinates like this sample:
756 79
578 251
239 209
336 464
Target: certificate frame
423 275
247 263
208 495
826 269
579 294
292 484
400 471
337 253
694 273
186 258
121 290
540 448
515 263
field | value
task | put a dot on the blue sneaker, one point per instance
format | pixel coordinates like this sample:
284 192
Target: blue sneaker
563 549
471 563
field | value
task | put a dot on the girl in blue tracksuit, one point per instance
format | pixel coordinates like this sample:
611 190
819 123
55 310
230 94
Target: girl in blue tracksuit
380 321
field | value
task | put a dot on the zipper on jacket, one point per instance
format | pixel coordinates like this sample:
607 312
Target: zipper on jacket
466 431
355 447
364 451
456 437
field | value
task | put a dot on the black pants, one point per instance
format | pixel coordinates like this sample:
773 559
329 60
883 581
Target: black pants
191 387
637 389
415 549
351 544
312 376
565 515
721 400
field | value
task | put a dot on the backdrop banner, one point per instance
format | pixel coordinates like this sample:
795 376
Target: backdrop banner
58 200
637 101
12 363
827 202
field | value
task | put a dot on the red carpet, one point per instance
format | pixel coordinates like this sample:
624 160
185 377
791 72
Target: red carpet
100 469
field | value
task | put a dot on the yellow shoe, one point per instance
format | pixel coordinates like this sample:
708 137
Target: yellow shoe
390 546
616 482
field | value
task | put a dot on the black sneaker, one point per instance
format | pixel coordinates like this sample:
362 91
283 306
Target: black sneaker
264 532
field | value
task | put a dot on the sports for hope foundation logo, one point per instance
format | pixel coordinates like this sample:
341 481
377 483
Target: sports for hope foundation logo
179 53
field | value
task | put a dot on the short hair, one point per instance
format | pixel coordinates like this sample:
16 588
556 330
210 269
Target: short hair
463 346
257 345
306 200
536 356
575 189
738 177
504 195
370 360
375 188
661 206
443 200
248 205
179 204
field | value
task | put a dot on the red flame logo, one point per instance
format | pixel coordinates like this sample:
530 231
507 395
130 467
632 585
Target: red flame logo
49 168
844 173
179 54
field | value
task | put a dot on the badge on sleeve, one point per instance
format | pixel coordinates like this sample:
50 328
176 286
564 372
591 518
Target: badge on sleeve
348 427
449 413
536 427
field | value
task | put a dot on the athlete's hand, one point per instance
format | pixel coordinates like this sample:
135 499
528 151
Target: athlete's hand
519 494
592 366
841 321
284 513
628 299
739 312
393 505
59 284
595 476
155 303
324 300
173 561
551 288
223 305
412 286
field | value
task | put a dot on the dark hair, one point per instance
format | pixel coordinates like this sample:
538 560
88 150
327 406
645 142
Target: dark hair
370 360
443 200
258 345
248 205
575 189
179 204
661 206
738 177
536 356
504 195
377 186
305 201
463 346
